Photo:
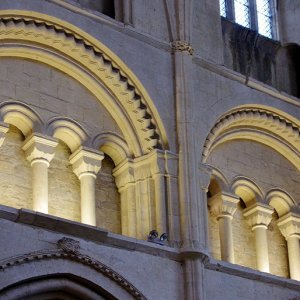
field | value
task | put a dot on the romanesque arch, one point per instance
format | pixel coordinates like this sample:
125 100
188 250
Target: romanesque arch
138 143
63 46
262 124
253 146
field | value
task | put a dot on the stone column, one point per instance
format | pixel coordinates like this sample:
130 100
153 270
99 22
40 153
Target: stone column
173 217
39 152
223 206
259 217
124 175
157 164
289 226
86 164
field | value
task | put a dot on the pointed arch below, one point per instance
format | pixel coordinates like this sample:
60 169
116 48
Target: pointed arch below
62 286
281 201
260 124
61 45
71 264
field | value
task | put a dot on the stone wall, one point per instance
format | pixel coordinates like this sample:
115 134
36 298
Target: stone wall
148 267
15 172
108 198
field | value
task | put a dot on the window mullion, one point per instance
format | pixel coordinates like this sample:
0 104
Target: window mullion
230 10
274 21
253 15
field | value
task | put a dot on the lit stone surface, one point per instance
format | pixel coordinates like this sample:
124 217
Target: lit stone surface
186 105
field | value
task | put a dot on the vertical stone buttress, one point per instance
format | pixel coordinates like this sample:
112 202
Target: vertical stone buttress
190 200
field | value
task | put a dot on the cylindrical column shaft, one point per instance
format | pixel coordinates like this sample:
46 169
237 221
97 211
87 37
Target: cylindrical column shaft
259 216
261 246
226 240
39 152
144 221
160 203
86 164
40 185
88 204
223 206
131 210
124 211
294 256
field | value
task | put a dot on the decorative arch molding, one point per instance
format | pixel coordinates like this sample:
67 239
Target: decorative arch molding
281 201
261 124
59 287
247 190
69 249
21 116
68 131
61 45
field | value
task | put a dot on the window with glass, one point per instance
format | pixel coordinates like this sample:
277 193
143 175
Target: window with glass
254 14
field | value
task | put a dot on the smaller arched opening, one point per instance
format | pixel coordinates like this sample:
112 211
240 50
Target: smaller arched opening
283 204
20 121
15 171
110 212
21 116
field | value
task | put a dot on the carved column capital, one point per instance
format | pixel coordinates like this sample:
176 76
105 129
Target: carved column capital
223 205
86 161
258 215
124 174
182 46
39 148
289 225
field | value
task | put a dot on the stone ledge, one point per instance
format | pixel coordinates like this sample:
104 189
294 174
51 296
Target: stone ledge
86 232
247 273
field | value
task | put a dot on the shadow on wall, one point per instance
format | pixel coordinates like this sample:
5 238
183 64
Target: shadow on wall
105 7
264 59
288 69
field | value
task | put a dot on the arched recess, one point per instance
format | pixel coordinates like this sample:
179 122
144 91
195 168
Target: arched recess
115 151
281 201
68 131
21 116
112 145
261 124
63 46
247 190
